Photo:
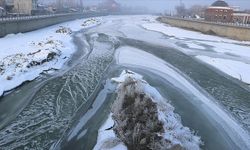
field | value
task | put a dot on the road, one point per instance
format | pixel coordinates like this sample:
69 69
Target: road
66 110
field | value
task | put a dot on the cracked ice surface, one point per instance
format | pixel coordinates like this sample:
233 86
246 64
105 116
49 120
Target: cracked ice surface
16 50
50 112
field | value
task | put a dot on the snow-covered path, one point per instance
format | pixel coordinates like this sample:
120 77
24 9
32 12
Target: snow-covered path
184 66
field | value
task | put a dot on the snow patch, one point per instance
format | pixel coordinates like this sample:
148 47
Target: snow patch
236 69
194 45
18 51
107 139
90 22
182 33
195 39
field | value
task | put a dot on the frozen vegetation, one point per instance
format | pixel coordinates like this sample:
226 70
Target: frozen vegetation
143 119
23 57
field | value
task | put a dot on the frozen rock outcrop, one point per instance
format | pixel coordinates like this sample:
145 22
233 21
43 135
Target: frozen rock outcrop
145 121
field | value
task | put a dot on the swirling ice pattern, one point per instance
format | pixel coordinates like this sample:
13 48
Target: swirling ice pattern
50 112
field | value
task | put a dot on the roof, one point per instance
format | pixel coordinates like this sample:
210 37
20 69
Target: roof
213 7
220 3
241 14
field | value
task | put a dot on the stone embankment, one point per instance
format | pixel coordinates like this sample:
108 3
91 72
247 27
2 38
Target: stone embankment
241 33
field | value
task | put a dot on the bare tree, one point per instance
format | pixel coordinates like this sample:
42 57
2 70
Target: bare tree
181 10
59 4
197 10
2 2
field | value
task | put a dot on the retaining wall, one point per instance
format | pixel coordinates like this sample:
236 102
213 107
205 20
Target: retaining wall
226 30
33 23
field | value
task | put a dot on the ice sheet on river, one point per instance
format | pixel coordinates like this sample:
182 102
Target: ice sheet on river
51 110
185 34
236 69
44 120
129 56
210 49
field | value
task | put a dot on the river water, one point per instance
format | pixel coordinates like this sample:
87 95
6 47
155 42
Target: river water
66 109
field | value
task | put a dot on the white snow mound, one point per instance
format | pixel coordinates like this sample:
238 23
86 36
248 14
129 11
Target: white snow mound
174 130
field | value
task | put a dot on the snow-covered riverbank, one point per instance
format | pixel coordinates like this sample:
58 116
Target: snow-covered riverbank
213 50
23 57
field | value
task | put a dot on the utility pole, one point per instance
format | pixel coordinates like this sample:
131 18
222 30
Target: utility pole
59 4
18 9
81 3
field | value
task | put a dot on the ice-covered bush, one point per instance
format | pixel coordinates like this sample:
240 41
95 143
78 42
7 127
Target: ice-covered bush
144 120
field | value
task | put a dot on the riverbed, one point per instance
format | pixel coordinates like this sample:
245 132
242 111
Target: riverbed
65 110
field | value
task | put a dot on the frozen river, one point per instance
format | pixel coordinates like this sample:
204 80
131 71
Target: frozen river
65 111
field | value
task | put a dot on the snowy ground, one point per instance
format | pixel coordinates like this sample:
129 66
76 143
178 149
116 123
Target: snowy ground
24 56
230 56
107 139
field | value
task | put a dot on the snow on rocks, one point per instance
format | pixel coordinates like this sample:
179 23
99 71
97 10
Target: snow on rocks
107 139
64 30
144 120
14 67
91 21
24 56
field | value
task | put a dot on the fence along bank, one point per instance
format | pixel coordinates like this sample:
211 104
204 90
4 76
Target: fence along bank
30 23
